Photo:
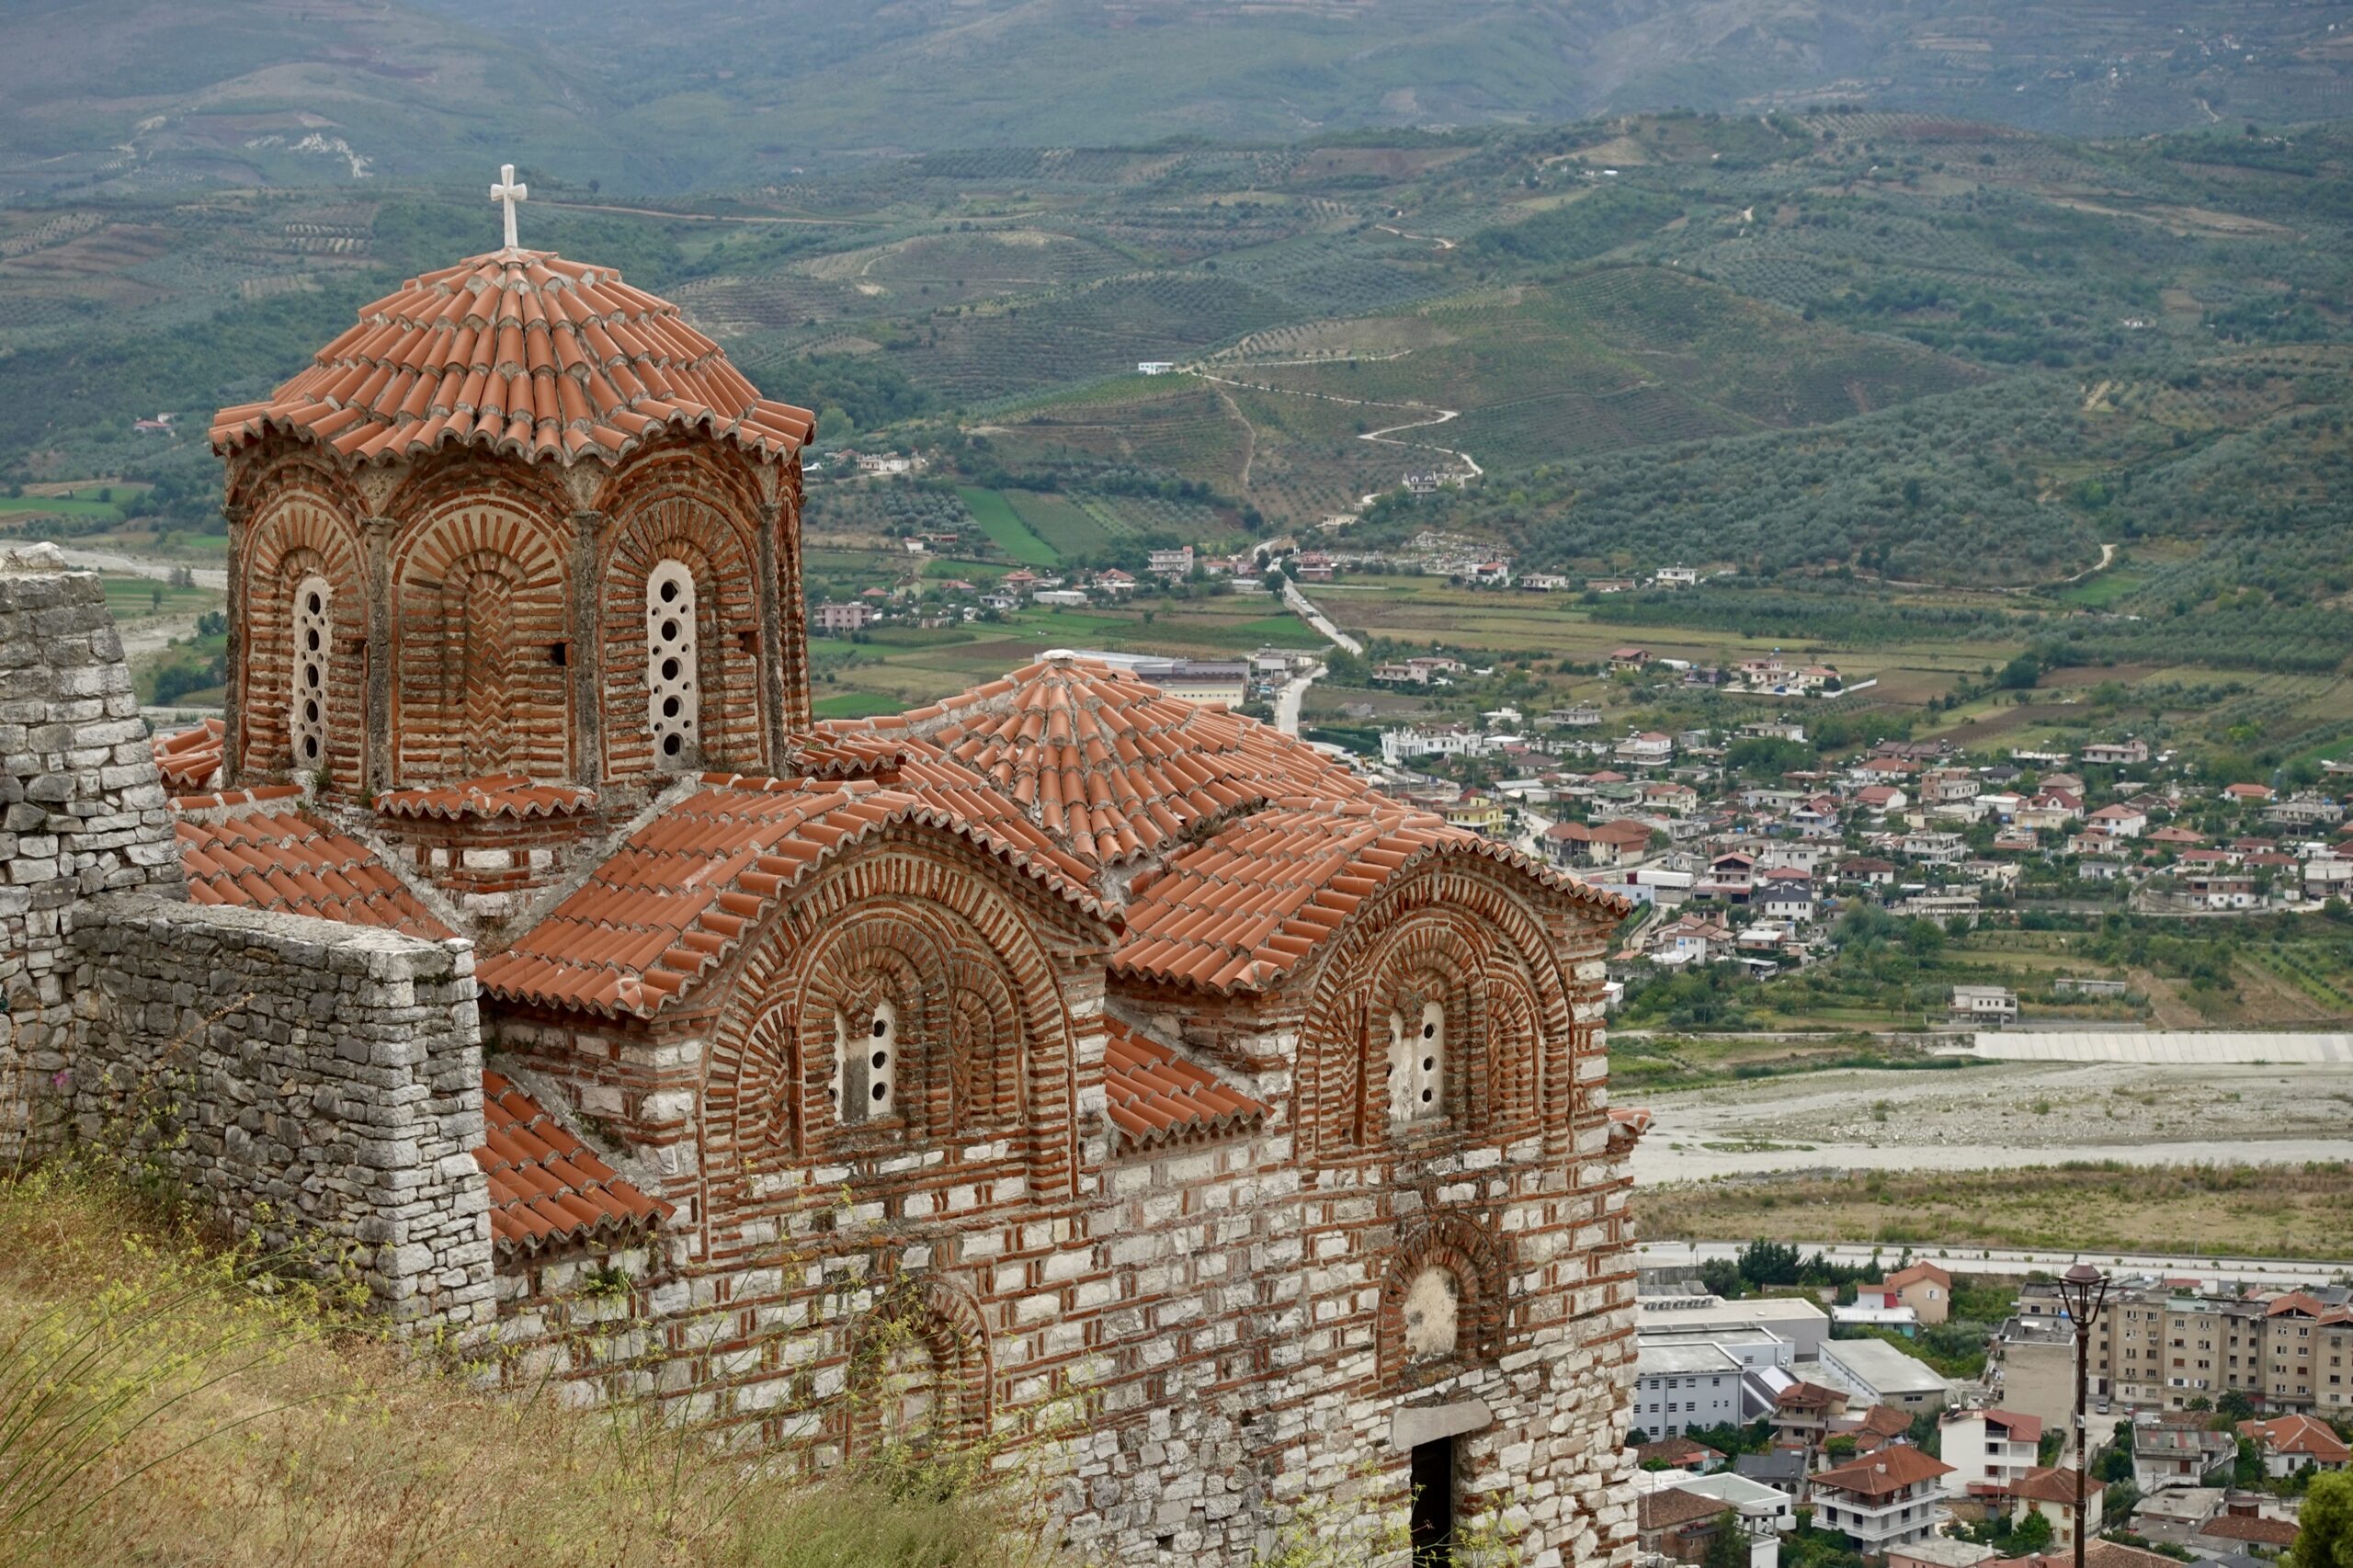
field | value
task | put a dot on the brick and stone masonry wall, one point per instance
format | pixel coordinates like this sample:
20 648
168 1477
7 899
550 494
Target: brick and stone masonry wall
318 1083
82 811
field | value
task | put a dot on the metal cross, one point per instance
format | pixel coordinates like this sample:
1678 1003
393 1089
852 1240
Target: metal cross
509 190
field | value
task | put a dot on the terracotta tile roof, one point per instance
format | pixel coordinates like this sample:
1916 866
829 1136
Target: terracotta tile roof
2297 1434
520 352
1673 1450
546 1186
2021 1428
285 861
1104 762
1671 1508
2241 1527
189 758
1886 1421
1807 1396
1154 1097
675 899
1241 910
502 795
1917 1272
228 800
1890 1469
2048 1486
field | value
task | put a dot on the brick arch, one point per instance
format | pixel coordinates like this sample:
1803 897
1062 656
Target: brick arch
878 953
921 1311
721 553
1467 1251
721 475
480 643
1429 955
1001 936
1472 893
458 474
300 529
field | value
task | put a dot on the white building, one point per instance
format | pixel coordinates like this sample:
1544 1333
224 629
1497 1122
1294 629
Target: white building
1881 1374
1985 1004
1803 1324
1678 1387
1887 1498
1989 1449
1401 746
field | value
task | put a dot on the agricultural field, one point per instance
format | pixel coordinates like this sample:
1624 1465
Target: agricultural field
2273 1211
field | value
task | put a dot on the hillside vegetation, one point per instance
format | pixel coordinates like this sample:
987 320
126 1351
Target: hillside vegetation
164 1401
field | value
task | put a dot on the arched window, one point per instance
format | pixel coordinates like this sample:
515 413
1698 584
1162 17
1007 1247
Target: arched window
673 702
306 722
1417 1064
865 1064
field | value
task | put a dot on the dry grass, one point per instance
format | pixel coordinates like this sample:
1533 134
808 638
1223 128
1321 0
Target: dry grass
228 1418
2263 1212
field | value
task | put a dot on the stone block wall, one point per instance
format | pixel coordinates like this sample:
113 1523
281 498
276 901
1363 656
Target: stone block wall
82 811
317 1083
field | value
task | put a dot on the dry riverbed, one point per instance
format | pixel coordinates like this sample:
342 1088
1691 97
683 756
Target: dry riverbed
1997 1115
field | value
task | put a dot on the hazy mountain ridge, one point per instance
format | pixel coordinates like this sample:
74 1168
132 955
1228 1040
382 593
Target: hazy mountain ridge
664 96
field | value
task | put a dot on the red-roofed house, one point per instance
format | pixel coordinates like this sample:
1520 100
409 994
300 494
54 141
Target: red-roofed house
2052 1493
1881 1500
2290 1443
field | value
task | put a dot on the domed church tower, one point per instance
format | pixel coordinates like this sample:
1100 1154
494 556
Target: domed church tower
518 547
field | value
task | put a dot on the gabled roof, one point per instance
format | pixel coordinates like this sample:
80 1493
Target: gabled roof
1917 1272
520 352
1154 1096
675 901
2241 1527
288 861
1671 1508
545 1184
2050 1486
2297 1434
1889 1469
2021 1428
1240 911
1105 763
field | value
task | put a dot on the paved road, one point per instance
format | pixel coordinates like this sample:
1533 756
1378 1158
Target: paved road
2256 1270
1306 610
1294 692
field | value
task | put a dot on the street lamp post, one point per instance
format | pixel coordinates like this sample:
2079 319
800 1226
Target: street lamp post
2084 1291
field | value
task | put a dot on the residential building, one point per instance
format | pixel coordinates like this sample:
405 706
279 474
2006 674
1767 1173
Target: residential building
1994 1004
840 620
1676 1526
1926 1289
1784 1470
1649 749
2290 1443
1990 1451
2116 754
1882 1500
1173 564
2176 1453
1629 658
2052 1493
1803 1414
1677 576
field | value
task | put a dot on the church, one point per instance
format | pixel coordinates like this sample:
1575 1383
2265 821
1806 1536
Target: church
1110 1084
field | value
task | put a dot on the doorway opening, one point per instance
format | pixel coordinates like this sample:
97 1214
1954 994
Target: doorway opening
1433 1513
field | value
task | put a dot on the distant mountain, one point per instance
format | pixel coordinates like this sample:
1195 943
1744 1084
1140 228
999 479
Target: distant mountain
673 95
